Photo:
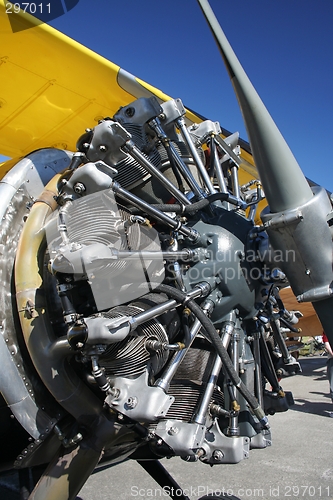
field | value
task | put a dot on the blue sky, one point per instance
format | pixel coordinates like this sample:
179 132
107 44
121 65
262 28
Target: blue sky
285 46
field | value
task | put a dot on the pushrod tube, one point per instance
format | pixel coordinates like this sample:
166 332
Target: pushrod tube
217 166
185 171
203 172
154 212
201 414
155 311
257 372
233 429
164 381
135 152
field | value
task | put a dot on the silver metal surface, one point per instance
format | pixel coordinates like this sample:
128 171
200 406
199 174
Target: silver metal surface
232 449
184 438
151 403
203 172
22 184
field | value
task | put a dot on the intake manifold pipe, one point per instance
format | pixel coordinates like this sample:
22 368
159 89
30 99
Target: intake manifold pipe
296 219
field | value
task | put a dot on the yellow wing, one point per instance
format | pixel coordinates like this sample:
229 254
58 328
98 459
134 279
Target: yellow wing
52 88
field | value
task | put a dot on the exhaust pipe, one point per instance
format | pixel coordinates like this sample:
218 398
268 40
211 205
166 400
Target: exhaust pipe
296 219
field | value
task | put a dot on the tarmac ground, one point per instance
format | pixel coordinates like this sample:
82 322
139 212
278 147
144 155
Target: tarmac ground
298 465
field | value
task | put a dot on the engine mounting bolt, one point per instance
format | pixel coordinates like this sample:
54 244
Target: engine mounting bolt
102 148
307 272
79 188
173 431
131 402
217 455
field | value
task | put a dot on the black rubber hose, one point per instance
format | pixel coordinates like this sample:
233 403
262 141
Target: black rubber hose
174 167
221 350
212 146
186 327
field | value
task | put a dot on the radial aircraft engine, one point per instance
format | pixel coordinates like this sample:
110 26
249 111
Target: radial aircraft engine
141 315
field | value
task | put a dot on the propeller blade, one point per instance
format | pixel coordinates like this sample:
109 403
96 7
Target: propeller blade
283 181
288 193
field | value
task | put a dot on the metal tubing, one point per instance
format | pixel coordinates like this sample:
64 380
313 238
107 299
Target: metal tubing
216 341
135 152
164 381
234 180
227 150
233 428
200 416
62 221
187 174
267 363
203 172
218 169
155 311
185 171
257 369
176 269
154 212
184 255
152 313
286 356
